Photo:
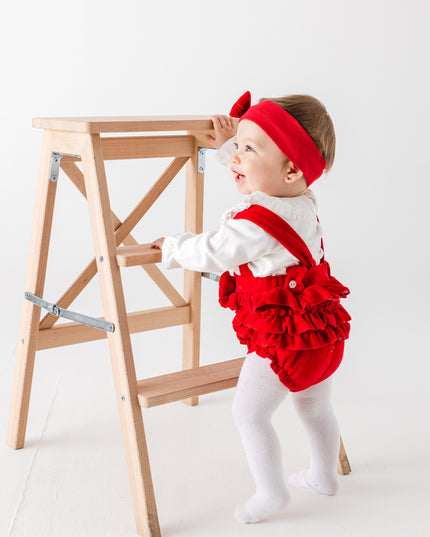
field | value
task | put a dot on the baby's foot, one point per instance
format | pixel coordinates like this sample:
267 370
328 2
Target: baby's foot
303 479
258 507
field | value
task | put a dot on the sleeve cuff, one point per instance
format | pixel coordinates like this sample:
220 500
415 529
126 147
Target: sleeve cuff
168 252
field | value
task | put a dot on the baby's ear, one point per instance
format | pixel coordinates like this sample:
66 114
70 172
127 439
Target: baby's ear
296 178
292 173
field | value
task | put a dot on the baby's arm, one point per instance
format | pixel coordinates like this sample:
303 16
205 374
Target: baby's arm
225 128
235 243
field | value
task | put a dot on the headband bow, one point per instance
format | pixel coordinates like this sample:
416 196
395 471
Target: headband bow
241 105
287 133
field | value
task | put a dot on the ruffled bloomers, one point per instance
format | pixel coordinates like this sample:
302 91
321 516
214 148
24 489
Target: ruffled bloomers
296 320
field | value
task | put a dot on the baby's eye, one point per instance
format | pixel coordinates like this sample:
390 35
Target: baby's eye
247 147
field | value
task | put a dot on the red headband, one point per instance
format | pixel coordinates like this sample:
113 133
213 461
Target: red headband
287 133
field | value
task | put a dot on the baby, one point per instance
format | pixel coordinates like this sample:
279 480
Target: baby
274 276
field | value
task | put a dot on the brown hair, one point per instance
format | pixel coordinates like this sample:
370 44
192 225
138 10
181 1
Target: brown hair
314 118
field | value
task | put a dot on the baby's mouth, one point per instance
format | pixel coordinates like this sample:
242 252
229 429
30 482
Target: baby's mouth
238 177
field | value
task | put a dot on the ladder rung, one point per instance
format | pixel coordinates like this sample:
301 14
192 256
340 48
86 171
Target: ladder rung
188 383
137 254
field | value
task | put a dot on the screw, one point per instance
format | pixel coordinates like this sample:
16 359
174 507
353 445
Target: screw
101 259
22 341
122 398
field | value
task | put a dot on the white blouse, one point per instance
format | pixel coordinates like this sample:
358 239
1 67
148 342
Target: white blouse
241 241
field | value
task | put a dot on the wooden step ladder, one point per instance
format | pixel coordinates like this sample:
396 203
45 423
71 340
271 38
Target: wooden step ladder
65 142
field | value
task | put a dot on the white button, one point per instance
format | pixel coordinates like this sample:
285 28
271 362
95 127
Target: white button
292 284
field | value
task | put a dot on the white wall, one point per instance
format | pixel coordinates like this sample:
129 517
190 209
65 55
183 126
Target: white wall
367 61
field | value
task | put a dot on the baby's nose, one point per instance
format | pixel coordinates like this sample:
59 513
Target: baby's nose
235 157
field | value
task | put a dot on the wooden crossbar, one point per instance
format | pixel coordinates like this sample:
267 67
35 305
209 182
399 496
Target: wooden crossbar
136 147
138 254
182 384
140 321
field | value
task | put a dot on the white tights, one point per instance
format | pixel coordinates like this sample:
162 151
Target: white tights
259 393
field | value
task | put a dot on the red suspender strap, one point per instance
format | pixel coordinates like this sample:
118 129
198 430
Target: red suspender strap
280 230
322 246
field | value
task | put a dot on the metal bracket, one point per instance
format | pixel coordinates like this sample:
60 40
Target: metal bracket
55 165
211 276
201 161
67 314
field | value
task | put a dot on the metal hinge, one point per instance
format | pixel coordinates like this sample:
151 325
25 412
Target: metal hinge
71 315
211 276
201 161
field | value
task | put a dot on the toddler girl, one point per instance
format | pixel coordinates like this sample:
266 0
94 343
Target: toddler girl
270 253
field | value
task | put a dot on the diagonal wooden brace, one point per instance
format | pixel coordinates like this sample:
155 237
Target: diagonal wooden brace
122 235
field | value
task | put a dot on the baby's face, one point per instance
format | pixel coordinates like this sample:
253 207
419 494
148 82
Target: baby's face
257 163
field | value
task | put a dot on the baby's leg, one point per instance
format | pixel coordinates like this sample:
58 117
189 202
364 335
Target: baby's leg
259 392
314 408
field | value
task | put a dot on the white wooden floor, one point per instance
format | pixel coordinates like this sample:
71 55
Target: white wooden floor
70 479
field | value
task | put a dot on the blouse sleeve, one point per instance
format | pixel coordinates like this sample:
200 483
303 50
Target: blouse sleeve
225 152
235 243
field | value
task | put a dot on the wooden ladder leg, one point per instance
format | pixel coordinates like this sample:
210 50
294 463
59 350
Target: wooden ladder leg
34 283
124 373
192 279
343 466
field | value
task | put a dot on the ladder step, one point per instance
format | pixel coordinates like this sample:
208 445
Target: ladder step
137 254
188 383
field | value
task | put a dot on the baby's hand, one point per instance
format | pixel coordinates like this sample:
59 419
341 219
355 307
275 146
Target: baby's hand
225 128
158 243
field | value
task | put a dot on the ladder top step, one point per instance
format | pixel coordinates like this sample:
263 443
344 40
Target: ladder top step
137 254
124 123
188 383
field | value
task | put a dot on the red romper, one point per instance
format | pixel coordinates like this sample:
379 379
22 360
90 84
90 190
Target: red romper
295 319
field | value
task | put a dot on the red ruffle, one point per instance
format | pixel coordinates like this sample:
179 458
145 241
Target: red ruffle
273 314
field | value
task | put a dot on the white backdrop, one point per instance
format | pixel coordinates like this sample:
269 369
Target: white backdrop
368 63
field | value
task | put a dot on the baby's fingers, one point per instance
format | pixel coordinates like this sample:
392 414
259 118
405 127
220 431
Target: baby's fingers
158 243
219 122
224 120
216 122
